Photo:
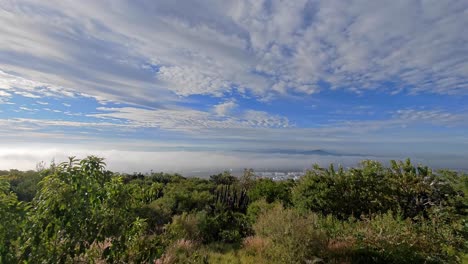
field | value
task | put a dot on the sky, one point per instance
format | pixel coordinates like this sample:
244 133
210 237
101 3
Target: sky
172 85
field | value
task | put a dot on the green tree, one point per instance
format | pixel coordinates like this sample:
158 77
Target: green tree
225 178
271 191
186 196
11 222
79 207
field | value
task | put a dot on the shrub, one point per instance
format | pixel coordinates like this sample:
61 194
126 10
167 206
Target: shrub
386 238
257 208
372 188
187 196
292 237
271 191
226 226
185 226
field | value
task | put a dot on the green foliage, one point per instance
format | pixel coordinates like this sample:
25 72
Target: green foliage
257 208
369 214
373 188
272 191
226 226
386 238
186 196
165 178
145 191
80 205
185 226
231 197
11 221
291 237
24 184
287 236
224 178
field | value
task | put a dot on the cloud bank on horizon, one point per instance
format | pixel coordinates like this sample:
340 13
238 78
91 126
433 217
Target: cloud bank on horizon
233 80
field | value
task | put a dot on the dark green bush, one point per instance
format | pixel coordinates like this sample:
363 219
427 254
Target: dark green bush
225 226
271 191
373 188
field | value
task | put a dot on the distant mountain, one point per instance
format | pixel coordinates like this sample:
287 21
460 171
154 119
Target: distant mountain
319 152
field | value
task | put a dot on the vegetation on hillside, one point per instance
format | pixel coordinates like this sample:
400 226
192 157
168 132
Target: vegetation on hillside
79 212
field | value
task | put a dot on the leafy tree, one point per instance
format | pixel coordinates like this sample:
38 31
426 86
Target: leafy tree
317 191
78 207
224 178
11 218
186 196
271 191
166 178
247 179
24 183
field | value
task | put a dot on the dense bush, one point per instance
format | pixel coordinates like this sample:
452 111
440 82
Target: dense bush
272 191
78 206
24 184
80 212
290 236
372 188
226 226
187 196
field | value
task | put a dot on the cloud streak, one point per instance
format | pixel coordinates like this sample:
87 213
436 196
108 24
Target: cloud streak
267 48
251 73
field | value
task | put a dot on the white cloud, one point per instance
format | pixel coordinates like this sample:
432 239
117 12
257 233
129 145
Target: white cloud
10 83
27 109
189 120
152 55
4 94
27 94
4 97
269 48
225 108
437 117
188 81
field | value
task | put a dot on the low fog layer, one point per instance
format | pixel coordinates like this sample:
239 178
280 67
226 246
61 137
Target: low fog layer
197 162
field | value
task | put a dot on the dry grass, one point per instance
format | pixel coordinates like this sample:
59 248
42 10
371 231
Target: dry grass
183 247
255 245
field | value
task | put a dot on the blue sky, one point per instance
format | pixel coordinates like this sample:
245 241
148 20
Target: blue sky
192 85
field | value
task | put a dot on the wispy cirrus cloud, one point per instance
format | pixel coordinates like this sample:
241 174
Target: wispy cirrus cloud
10 83
189 120
437 117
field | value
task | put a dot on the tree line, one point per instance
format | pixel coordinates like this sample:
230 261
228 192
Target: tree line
80 212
